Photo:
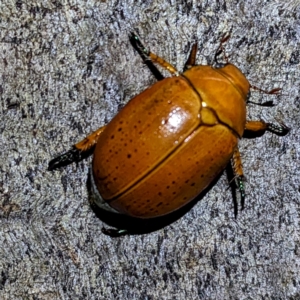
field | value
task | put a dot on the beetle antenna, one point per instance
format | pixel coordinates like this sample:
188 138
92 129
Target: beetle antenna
221 49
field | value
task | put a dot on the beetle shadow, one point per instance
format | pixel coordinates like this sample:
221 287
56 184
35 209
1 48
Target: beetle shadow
136 226
248 134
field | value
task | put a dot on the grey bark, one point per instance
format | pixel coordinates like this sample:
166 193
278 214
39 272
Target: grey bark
66 68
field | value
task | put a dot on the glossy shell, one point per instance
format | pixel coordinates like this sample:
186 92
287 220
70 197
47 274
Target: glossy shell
169 142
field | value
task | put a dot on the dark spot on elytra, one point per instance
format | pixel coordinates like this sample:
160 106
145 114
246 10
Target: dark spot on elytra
120 129
159 204
193 184
173 182
159 194
174 193
140 132
187 181
115 178
168 186
112 137
128 155
125 144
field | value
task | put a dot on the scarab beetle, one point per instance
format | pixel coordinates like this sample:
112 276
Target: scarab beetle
169 142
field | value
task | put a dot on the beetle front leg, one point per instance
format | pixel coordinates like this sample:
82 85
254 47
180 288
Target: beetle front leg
261 126
78 152
237 167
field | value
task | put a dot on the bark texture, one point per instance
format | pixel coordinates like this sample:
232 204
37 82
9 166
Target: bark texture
66 69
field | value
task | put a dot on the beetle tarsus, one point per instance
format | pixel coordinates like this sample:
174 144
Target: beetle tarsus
73 155
114 232
144 54
240 183
280 129
265 104
138 46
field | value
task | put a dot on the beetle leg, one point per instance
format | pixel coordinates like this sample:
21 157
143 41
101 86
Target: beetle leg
148 55
78 152
236 164
163 63
114 232
191 61
275 91
144 54
261 126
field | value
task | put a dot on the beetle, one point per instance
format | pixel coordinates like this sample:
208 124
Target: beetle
171 141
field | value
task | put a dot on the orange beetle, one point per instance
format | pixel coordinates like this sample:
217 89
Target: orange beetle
169 142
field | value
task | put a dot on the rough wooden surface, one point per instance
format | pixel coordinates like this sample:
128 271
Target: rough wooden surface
66 68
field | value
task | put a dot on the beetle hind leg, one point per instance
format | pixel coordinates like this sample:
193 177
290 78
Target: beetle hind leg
78 152
236 164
